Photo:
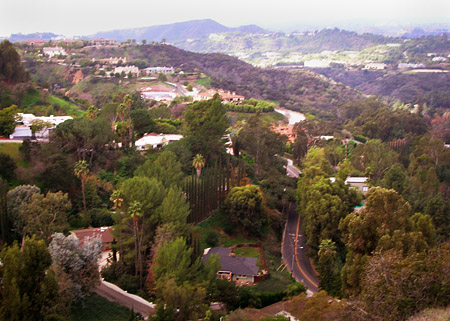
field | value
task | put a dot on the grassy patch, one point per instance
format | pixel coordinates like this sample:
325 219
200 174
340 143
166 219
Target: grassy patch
205 82
279 278
34 103
96 308
12 149
30 99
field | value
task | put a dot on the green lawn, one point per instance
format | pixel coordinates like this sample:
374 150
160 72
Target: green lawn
206 82
12 149
33 102
96 308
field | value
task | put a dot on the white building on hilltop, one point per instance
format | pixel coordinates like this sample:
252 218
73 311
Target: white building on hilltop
54 51
127 69
24 130
159 70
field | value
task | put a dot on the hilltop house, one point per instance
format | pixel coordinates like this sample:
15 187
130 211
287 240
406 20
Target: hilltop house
111 60
226 96
159 70
375 66
242 270
127 69
102 42
54 51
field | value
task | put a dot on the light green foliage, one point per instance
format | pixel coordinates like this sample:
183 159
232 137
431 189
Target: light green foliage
8 120
29 289
244 207
92 112
174 261
148 191
166 168
322 203
198 162
187 299
83 137
316 157
45 215
37 125
204 127
174 210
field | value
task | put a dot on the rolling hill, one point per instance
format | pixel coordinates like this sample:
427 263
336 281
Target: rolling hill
180 31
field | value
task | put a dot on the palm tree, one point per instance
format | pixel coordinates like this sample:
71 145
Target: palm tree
135 211
198 163
81 171
117 199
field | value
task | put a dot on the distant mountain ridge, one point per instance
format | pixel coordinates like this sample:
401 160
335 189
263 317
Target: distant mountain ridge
47 36
180 31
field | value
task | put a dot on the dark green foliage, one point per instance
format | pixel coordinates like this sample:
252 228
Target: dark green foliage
244 207
7 167
29 290
142 122
205 194
84 138
163 314
100 217
11 69
160 112
58 175
212 238
205 125
262 144
4 226
129 283
129 164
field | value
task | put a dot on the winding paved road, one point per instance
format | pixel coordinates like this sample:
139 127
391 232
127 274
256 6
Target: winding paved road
294 252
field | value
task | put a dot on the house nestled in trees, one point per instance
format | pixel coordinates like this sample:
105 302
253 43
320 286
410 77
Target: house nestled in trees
89 234
359 183
227 97
155 140
242 270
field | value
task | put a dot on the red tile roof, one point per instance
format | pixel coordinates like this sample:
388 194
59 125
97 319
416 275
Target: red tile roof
103 233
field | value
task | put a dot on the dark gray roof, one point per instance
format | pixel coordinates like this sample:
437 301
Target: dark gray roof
234 264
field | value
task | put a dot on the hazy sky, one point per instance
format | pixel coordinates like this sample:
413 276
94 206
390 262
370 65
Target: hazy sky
83 17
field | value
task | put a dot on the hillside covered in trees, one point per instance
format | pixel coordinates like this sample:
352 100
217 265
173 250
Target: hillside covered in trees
382 254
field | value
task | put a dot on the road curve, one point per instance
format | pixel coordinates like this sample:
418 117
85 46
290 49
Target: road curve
294 252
